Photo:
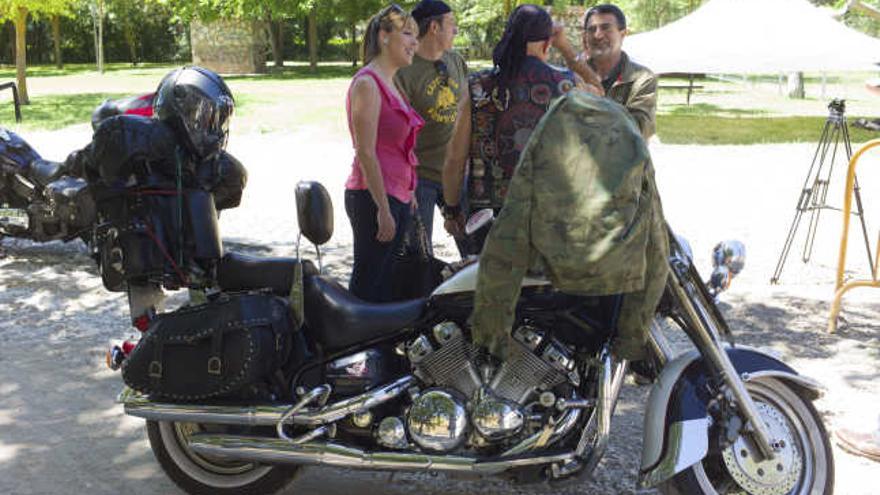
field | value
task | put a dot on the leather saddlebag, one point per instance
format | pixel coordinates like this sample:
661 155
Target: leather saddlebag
211 350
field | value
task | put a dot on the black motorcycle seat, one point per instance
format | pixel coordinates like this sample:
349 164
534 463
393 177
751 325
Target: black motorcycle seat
44 172
243 272
338 319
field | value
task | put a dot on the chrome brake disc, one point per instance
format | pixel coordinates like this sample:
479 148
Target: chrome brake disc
775 476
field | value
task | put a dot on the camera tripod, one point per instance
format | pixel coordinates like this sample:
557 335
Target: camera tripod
815 190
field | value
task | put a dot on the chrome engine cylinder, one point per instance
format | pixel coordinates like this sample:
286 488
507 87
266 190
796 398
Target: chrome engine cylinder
537 363
450 364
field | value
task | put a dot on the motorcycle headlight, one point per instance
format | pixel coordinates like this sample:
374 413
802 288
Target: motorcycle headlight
728 259
730 254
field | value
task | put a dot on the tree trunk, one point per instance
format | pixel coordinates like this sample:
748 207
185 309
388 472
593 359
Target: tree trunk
99 35
130 40
354 45
11 42
313 38
508 8
56 38
279 41
795 86
276 40
21 54
273 40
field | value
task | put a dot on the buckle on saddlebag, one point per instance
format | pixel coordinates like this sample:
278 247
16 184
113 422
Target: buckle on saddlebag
214 365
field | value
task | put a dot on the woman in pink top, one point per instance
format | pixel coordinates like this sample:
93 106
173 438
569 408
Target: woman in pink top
379 192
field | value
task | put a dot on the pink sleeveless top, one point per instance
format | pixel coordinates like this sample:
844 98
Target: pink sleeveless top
398 126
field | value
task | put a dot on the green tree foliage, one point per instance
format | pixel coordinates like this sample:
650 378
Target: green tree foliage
139 31
351 13
855 17
157 30
18 11
186 10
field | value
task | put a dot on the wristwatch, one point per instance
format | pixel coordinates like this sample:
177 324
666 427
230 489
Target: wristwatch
450 212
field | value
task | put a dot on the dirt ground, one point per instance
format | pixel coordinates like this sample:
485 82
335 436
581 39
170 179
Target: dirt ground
61 432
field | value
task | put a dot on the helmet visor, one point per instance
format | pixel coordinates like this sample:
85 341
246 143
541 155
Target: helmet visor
207 121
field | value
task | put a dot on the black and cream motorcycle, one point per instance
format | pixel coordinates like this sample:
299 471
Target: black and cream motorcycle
38 200
400 387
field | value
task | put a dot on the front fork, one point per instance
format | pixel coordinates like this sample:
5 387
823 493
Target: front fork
703 325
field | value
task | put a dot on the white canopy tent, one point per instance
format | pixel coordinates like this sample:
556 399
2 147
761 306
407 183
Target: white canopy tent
754 37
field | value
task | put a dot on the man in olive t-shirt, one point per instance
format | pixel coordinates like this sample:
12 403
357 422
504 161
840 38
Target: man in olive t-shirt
434 85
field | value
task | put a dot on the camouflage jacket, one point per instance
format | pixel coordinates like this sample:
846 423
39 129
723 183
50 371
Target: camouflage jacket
582 208
636 89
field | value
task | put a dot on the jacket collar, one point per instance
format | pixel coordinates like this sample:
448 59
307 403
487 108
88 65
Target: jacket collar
626 72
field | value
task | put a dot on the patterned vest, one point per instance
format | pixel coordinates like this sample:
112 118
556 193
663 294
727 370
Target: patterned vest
503 118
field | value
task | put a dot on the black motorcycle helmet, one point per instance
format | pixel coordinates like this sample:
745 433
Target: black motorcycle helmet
198 104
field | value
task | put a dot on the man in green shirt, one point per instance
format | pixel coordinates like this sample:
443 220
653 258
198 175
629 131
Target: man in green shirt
435 84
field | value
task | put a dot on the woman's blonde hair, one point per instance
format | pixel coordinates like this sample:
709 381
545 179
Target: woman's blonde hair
390 18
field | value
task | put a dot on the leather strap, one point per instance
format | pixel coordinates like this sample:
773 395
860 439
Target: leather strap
215 363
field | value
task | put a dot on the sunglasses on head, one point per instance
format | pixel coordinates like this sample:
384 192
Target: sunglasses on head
391 9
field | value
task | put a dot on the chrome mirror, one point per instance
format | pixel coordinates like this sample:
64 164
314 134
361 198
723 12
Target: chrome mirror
728 259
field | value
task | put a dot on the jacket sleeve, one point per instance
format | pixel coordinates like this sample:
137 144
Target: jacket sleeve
504 262
642 104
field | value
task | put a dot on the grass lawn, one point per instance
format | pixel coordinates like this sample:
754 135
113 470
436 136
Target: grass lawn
742 111
698 129
754 110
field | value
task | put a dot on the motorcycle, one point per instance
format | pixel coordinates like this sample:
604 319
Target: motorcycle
400 387
38 201
133 105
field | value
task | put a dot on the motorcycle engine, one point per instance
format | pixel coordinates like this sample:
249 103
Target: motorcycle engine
491 400
62 211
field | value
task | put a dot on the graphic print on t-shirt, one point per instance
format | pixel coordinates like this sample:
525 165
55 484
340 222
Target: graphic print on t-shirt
445 107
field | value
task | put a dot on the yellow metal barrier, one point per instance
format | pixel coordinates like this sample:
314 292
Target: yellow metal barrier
840 287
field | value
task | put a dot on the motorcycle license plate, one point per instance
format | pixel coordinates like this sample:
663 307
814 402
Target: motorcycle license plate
13 219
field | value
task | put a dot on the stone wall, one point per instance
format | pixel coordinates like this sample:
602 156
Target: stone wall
229 46
572 18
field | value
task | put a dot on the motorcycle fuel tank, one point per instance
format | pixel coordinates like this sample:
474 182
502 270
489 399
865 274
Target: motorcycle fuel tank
465 280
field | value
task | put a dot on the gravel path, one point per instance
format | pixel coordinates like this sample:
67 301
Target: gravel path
60 431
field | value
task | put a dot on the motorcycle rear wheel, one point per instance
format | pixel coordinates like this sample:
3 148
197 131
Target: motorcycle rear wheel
201 475
712 476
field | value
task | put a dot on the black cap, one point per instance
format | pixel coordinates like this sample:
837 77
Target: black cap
429 8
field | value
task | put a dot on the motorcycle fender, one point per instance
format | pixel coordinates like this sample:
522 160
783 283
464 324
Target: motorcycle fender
676 433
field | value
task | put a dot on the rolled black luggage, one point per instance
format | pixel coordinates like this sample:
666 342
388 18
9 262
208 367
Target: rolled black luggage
217 349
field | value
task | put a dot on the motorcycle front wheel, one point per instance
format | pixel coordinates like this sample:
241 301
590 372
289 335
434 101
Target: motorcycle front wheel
202 475
804 464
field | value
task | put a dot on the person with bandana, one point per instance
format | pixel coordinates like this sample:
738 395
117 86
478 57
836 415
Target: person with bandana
435 85
504 105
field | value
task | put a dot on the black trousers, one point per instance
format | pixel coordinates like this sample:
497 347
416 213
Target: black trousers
371 273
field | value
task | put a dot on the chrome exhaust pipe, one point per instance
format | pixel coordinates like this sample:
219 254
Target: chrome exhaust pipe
596 431
276 451
141 406
547 435
611 377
